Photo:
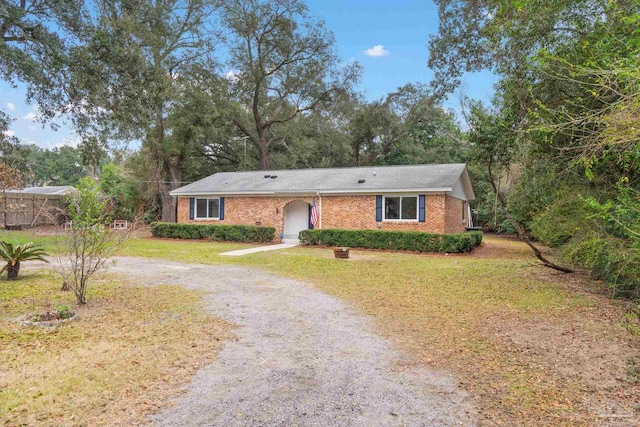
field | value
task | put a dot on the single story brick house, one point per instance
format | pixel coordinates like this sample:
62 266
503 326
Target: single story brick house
430 198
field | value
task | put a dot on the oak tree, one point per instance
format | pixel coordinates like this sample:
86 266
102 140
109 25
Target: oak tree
282 64
132 70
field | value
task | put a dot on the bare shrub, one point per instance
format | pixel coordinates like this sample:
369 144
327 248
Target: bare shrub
85 243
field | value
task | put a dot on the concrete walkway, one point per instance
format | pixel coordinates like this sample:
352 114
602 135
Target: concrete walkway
260 249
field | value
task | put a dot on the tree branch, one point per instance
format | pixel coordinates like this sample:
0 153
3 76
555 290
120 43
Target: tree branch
521 232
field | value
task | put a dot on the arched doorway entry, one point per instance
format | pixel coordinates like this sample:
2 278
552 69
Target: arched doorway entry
296 219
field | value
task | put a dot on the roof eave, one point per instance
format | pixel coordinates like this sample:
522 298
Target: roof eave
313 192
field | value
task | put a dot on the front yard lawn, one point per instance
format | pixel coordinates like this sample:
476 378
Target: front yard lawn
532 347
131 348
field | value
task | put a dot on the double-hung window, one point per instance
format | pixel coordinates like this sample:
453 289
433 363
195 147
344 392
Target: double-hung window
207 208
401 208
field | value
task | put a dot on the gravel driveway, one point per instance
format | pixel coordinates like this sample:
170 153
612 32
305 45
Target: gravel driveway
302 358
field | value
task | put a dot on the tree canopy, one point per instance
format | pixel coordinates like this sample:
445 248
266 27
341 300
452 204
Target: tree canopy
567 102
35 38
282 65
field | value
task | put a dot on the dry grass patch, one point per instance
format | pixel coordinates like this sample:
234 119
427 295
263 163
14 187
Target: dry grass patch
129 352
531 349
534 348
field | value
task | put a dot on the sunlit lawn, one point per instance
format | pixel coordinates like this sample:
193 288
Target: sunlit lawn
448 311
198 252
186 251
21 237
457 312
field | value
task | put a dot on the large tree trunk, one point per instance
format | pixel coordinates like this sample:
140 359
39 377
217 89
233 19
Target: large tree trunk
173 168
263 153
168 206
167 203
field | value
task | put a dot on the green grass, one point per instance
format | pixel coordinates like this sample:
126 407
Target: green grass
452 281
188 251
436 307
31 292
451 312
28 236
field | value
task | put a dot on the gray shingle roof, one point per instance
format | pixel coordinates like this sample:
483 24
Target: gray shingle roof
47 190
434 177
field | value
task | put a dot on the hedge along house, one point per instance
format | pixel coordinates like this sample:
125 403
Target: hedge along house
428 198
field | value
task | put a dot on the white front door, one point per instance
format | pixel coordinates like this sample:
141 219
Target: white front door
296 219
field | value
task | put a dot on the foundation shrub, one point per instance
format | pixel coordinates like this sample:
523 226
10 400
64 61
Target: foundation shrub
226 233
393 240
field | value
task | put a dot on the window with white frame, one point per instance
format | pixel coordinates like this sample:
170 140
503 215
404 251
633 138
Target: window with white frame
401 208
207 208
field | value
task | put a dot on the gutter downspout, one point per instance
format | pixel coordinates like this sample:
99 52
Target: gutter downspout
319 210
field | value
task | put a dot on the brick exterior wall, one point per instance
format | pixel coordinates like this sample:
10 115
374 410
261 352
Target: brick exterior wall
443 213
359 212
454 221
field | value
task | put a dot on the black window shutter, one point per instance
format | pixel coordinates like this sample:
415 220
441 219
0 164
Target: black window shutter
310 224
221 208
192 205
378 208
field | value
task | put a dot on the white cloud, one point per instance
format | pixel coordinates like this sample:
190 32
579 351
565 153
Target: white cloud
31 127
232 76
9 133
11 106
376 51
31 116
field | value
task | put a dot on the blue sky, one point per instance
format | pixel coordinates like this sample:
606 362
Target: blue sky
389 39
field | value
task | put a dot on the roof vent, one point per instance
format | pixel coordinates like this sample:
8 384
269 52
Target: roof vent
267 176
361 181
274 176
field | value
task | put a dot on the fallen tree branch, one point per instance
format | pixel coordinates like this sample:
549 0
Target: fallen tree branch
522 234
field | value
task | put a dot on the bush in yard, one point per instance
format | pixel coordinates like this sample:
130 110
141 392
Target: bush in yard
609 259
65 311
87 245
394 240
228 233
15 254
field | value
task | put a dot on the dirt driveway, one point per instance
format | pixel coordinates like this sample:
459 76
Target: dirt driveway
301 358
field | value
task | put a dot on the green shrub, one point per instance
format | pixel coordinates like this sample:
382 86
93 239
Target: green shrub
395 240
559 222
609 259
226 233
65 311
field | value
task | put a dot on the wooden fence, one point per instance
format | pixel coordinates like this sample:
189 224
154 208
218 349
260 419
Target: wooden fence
30 210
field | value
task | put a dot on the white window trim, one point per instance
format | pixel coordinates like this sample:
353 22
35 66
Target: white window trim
384 211
195 209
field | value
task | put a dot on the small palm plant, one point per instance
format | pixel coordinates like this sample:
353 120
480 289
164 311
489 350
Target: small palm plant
15 254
